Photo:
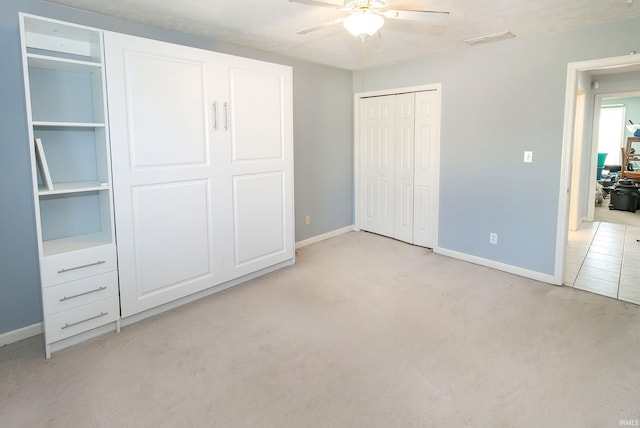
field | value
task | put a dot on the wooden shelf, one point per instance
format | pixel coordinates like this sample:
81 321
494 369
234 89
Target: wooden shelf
63 64
77 187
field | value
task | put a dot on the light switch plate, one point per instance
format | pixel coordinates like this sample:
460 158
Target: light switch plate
528 157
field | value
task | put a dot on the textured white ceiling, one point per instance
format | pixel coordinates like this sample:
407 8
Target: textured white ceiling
271 25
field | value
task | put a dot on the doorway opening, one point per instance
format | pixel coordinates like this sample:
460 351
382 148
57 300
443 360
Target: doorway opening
615 110
606 243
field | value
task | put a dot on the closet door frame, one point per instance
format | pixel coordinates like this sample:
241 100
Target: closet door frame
437 88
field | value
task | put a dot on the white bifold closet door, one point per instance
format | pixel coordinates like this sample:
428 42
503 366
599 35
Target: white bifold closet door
398 166
202 168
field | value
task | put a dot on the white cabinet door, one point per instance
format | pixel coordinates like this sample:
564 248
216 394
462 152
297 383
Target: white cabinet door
378 164
203 167
168 205
257 164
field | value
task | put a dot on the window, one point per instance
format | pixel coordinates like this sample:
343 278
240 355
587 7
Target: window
611 132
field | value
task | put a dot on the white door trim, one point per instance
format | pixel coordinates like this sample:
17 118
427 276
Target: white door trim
595 137
357 150
575 217
567 147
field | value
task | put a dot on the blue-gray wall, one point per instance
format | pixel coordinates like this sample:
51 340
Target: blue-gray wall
323 134
499 100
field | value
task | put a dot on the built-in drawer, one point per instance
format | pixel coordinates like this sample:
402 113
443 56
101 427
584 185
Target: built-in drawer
83 318
80 292
74 265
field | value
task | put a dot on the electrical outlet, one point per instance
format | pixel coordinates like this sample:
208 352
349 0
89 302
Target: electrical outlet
493 238
307 220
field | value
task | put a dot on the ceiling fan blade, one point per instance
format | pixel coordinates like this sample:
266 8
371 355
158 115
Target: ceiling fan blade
332 4
430 16
321 26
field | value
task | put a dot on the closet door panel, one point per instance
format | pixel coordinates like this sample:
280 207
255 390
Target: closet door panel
258 167
422 218
167 203
426 168
404 155
378 130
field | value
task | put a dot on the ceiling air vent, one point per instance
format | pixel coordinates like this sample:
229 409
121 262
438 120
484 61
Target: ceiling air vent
490 38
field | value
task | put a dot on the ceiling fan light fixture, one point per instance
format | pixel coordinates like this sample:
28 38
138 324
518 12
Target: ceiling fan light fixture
363 24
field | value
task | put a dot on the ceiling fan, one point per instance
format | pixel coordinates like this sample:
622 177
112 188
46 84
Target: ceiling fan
366 17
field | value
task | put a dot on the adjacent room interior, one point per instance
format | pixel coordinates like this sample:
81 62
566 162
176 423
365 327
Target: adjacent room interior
319 213
601 250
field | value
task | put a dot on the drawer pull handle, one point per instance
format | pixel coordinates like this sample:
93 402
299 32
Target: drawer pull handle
99 262
65 298
101 314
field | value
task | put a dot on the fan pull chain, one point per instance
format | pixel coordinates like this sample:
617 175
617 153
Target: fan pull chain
362 59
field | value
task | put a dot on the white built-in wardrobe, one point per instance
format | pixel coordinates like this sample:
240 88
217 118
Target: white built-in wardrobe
203 173
398 163
159 171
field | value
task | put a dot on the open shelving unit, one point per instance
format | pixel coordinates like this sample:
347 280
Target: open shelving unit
65 80
67 115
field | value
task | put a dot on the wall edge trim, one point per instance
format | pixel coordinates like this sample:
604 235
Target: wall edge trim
515 270
324 236
20 334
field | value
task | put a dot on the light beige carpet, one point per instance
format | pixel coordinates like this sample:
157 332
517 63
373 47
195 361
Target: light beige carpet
363 331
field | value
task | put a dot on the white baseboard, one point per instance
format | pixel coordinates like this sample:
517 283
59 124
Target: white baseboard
538 276
324 236
582 221
21 333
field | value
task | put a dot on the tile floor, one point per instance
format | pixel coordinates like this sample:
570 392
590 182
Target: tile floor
604 258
